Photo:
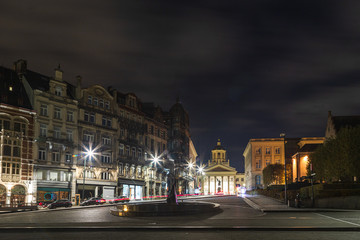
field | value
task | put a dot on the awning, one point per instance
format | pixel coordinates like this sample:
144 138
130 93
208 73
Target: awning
130 181
54 189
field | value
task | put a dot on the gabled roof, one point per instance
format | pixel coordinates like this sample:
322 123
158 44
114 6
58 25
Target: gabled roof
17 95
309 147
345 121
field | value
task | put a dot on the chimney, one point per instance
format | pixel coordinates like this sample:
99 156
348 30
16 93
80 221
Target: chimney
78 86
58 73
20 66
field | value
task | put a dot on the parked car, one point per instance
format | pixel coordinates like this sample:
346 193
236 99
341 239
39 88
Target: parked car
60 203
119 199
93 201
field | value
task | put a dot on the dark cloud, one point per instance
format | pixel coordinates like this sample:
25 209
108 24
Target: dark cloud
242 69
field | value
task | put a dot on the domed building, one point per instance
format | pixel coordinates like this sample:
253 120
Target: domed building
219 175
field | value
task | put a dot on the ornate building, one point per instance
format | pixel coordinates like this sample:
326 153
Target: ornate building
219 175
66 123
97 128
54 102
16 141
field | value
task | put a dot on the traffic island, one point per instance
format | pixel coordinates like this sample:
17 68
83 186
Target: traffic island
164 209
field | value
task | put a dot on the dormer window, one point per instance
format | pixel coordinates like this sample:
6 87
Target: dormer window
58 91
89 99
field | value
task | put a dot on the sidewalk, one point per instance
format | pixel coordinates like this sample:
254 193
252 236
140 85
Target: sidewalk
267 204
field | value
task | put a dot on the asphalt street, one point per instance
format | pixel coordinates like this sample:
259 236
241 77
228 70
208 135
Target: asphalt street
236 219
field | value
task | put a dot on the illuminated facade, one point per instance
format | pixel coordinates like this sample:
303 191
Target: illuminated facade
17 186
220 177
300 159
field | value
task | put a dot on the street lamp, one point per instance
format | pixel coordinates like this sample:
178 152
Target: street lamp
89 154
285 195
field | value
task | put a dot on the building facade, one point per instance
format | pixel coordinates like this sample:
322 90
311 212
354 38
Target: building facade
220 177
93 141
17 185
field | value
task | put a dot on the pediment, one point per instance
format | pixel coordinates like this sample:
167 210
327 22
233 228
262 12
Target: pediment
220 168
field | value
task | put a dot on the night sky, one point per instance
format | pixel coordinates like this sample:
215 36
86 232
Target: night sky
242 69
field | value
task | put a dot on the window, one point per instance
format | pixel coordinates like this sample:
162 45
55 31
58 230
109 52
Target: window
92 117
258 151
88 137
127 151
89 117
10 167
152 145
106 141
158 132
146 142
122 132
19 127
57 113
105 176
133 152
104 120
107 105
58 91
95 101
70 116
277 160
258 180
89 174
89 99
121 150
139 153
268 150
101 103
267 161
43 110
68 158
277 150
152 130
57 132
69 135
55 156
42 154
43 130
105 159
258 163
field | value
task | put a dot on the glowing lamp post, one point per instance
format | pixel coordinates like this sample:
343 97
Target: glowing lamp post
89 154
285 195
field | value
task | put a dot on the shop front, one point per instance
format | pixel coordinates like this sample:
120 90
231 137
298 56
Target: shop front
48 194
132 189
94 188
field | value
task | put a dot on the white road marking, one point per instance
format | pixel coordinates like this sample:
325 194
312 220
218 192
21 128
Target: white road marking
338 219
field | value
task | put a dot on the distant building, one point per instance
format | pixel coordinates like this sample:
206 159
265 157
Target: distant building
264 151
335 123
300 159
219 175
17 185
240 181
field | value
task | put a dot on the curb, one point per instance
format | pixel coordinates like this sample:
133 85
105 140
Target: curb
258 207
176 228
